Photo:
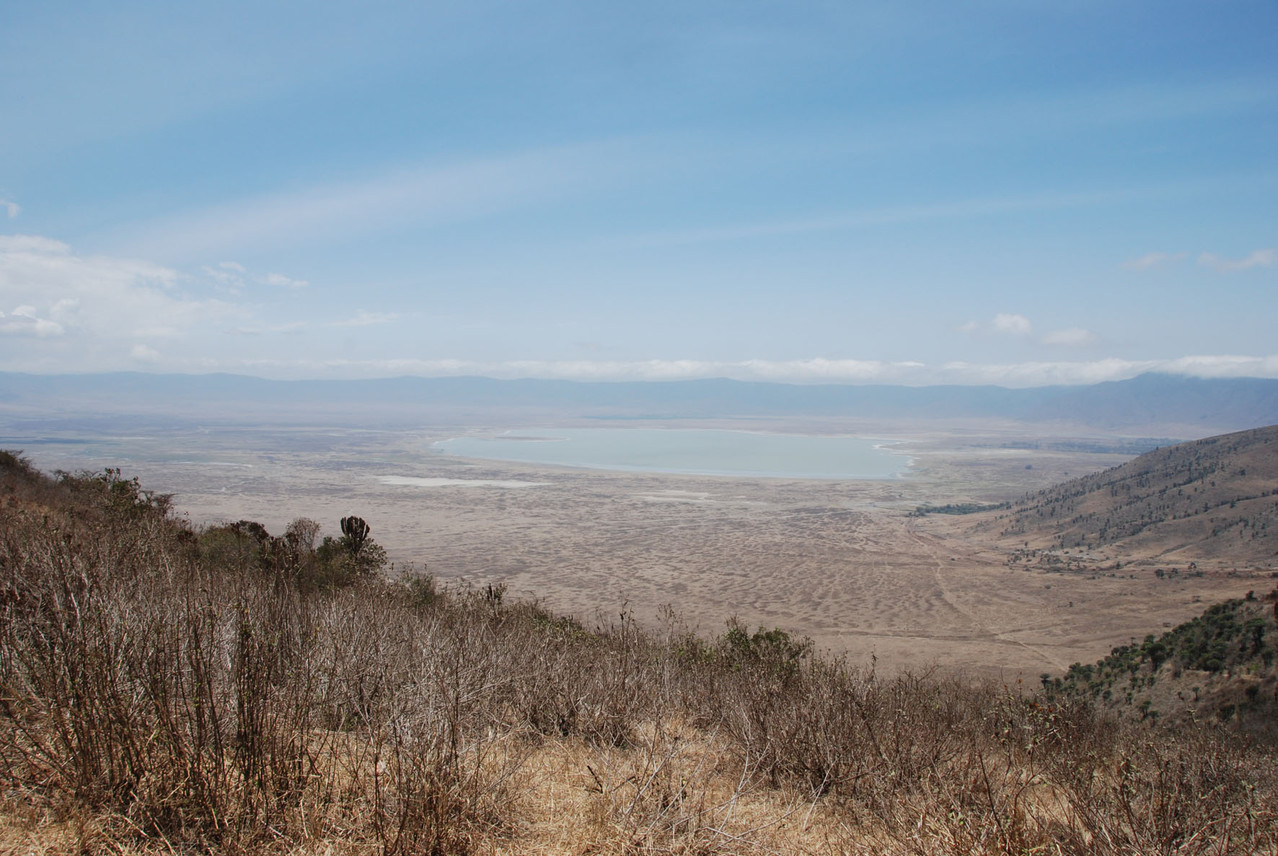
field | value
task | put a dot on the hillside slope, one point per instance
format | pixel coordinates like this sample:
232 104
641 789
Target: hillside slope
1220 665
1210 499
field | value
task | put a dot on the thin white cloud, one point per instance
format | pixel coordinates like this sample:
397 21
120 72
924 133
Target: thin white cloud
1259 258
279 280
1004 323
269 329
228 275
144 354
234 277
817 370
160 332
88 313
962 209
1013 324
23 321
1072 337
1225 365
367 319
12 208
423 195
1153 260
1041 373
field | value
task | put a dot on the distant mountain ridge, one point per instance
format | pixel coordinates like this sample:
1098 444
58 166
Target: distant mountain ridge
1157 405
1215 498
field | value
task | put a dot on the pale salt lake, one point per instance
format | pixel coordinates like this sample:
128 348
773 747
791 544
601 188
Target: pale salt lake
688 451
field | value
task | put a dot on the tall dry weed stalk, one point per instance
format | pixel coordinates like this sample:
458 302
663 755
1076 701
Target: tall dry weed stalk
205 705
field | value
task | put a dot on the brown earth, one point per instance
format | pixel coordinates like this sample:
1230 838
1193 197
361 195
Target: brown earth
840 561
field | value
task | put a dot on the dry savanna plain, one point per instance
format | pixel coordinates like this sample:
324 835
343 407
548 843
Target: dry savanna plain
842 562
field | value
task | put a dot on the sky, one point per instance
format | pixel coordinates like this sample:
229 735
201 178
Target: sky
1016 193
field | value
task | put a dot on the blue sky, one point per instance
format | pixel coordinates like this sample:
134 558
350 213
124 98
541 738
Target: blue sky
1001 192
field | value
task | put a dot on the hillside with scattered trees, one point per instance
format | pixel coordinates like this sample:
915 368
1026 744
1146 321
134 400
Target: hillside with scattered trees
1220 665
1211 499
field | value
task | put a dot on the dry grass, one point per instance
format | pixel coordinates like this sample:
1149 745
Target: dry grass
156 699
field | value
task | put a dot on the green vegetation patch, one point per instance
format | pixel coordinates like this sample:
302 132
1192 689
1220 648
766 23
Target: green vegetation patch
957 508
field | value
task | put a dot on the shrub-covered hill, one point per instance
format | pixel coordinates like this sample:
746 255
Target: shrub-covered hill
170 689
1215 498
1222 664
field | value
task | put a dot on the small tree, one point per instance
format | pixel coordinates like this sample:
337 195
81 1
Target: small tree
355 533
301 534
352 556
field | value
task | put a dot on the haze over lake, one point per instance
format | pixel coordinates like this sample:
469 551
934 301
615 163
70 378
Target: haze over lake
689 451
